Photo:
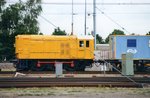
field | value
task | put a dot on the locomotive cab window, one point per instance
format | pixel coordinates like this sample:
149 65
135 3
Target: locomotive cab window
87 43
131 43
81 43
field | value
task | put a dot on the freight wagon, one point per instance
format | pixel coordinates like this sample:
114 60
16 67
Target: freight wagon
41 52
138 45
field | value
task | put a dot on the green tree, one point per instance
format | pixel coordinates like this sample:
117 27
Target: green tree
148 33
115 32
2 3
58 31
18 18
21 18
99 39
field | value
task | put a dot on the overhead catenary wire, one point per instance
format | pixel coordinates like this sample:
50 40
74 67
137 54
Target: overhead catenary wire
85 21
62 3
72 24
48 21
113 20
82 3
90 13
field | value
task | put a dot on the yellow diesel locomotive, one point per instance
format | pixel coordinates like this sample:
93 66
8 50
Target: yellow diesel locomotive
41 52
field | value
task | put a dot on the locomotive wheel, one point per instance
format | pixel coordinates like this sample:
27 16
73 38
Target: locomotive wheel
22 66
49 67
67 67
33 67
79 65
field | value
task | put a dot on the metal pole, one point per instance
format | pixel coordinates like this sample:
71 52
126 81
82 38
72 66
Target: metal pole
72 18
85 18
94 22
0 18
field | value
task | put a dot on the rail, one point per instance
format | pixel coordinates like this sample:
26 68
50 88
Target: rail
73 82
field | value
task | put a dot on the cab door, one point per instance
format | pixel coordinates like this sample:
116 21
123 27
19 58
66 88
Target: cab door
88 51
81 49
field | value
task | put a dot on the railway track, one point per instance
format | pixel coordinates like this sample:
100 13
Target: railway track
74 82
65 72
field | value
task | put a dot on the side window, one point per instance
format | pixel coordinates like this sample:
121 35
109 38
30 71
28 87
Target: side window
87 43
131 43
81 43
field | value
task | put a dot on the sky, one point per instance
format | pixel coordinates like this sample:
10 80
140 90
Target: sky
133 18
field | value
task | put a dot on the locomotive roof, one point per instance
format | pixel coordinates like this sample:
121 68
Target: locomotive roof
54 36
85 37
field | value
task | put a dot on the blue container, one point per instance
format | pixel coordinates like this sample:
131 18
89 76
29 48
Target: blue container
136 44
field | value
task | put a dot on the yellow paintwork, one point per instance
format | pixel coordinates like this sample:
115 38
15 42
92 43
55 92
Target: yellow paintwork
52 47
147 64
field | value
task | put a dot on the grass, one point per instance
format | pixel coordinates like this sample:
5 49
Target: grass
8 69
71 90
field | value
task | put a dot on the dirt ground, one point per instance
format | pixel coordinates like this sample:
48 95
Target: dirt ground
100 95
109 95
75 92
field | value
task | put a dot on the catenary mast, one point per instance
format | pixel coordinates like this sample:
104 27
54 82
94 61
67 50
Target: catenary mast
94 22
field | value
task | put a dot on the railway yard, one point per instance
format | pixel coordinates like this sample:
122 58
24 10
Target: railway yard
73 63
76 84
12 78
